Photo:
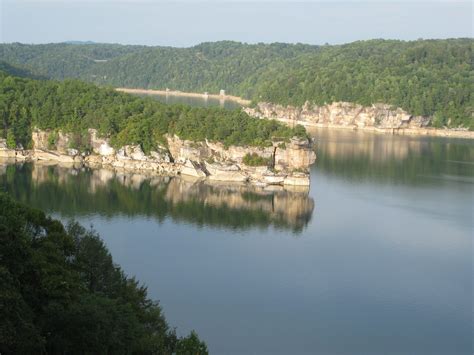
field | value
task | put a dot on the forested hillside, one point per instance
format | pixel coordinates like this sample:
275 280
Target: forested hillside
62 294
424 77
74 106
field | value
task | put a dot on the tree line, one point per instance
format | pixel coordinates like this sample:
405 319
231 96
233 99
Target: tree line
74 106
62 293
425 77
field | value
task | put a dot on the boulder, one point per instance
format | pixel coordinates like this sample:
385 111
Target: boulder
161 156
297 179
72 152
273 179
225 172
135 152
122 154
193 169
105 149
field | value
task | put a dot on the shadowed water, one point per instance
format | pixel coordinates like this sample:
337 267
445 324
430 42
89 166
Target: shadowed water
375 259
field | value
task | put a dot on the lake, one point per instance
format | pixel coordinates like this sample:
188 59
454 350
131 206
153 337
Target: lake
376 258
194 101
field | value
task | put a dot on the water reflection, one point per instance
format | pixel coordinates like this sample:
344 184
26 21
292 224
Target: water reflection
384 267
75 192
362 156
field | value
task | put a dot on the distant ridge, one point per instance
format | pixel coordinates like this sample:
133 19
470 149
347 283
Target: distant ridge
424 77
19 71
79 42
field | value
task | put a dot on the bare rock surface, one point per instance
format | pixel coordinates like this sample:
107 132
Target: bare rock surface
341 114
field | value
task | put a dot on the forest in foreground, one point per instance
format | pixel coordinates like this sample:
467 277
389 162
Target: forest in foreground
424 77
62 293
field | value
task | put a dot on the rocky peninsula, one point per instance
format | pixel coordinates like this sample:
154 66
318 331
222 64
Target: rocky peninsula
285 163
381 118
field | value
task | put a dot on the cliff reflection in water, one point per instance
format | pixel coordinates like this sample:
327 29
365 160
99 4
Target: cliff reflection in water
410 160
74 192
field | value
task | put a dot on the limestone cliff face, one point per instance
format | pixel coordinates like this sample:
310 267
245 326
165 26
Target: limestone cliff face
342 114
289 162
41 141
297 154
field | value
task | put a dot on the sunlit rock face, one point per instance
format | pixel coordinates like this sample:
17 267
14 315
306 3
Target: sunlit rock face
225 172
342 114
222 163
286 163
298 154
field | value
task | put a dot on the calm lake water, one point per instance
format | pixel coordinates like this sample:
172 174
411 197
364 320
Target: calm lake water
194 101
375 259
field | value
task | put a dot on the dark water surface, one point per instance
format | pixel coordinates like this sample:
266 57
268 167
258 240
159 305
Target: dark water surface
375 259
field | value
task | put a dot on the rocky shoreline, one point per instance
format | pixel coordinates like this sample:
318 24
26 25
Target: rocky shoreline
288 162
379 118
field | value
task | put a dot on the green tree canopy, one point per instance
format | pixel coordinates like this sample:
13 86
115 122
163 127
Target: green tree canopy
62 293
74 106
424 77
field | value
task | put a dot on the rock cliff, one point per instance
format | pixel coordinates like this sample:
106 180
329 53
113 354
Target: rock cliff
288 162
343 114
377 118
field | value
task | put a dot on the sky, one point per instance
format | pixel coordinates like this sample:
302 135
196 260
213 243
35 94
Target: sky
189 22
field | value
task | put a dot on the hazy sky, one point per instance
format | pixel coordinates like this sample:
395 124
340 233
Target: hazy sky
185 23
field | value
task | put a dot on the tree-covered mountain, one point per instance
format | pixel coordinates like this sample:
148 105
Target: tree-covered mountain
62 60
74 106
62 294
424 77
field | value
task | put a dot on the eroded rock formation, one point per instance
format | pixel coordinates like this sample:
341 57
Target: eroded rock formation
288 162
342 114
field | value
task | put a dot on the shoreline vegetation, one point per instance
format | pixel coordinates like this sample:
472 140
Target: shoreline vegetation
429 78
63 293
78 122
416 131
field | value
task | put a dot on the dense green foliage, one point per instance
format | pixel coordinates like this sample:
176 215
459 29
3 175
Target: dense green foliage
75 106
63 60
428 78
424 77
62 293
206 67
255 160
